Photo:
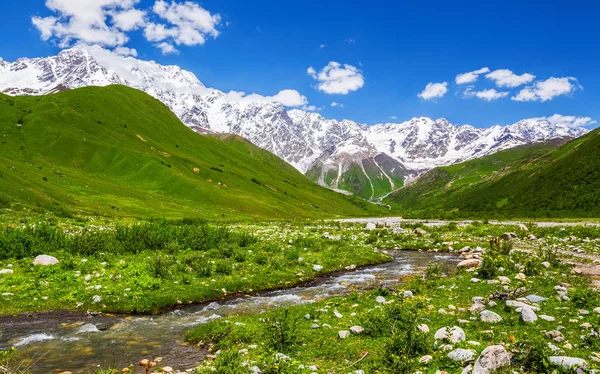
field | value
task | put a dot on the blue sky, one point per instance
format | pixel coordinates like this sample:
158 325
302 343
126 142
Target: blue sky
388 52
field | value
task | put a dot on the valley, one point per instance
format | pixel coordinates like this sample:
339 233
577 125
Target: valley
152 224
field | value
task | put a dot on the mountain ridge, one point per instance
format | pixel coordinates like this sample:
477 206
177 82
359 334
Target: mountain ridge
117 151
311 143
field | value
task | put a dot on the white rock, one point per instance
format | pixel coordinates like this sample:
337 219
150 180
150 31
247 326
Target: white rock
477 307
520 277
344 334
454 334
504 280
491 359
317 267
96 299
371 226
357 329
380 299
520 304
6 271
547 318
472 263
282 357
568 362
462 355
45 260
535 298
490 317
408 294
423 328
528 315
425 359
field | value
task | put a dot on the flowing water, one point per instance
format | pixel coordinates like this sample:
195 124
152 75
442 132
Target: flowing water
81 344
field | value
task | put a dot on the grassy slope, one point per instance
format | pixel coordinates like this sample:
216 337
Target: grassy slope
492 184
117 151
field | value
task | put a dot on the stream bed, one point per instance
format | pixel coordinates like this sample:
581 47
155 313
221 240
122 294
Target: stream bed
56 342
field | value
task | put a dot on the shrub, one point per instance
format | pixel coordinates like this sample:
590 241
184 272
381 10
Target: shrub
279 330
160 265
223 267
533 356
432 272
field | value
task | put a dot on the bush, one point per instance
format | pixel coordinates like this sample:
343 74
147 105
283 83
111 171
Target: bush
223 267
279 330
160 265
533 357
584 298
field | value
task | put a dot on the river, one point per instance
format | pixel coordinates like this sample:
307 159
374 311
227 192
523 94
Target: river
56 342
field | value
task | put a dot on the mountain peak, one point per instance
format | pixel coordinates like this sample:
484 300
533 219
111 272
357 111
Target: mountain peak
304 139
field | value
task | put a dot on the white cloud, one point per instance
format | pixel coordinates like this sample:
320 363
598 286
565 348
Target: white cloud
167 49
548 89
289 98
350 40
471 76
107 22
190 24
336 78
88 21
124 51
570 121
322 46
487 95
506 78
335 104
128 20
434 91
393 117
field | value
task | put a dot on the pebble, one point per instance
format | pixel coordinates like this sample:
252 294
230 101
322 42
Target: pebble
6 271
547 318
357 329
425 359
344 334
380 299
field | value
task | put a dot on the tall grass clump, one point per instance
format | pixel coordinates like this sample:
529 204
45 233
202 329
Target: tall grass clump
169 237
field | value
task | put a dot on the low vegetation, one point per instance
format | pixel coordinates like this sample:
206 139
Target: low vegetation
533 181
397 330
117 152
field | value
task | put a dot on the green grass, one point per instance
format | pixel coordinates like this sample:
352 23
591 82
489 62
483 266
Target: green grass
115 151
532 181
391 342
145 268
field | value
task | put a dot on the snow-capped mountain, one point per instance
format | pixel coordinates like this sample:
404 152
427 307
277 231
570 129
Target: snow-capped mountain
367 160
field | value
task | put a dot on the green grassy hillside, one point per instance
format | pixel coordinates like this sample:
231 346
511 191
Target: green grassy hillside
117 151
540 180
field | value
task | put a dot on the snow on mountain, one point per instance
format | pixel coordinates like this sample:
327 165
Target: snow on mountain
336 153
